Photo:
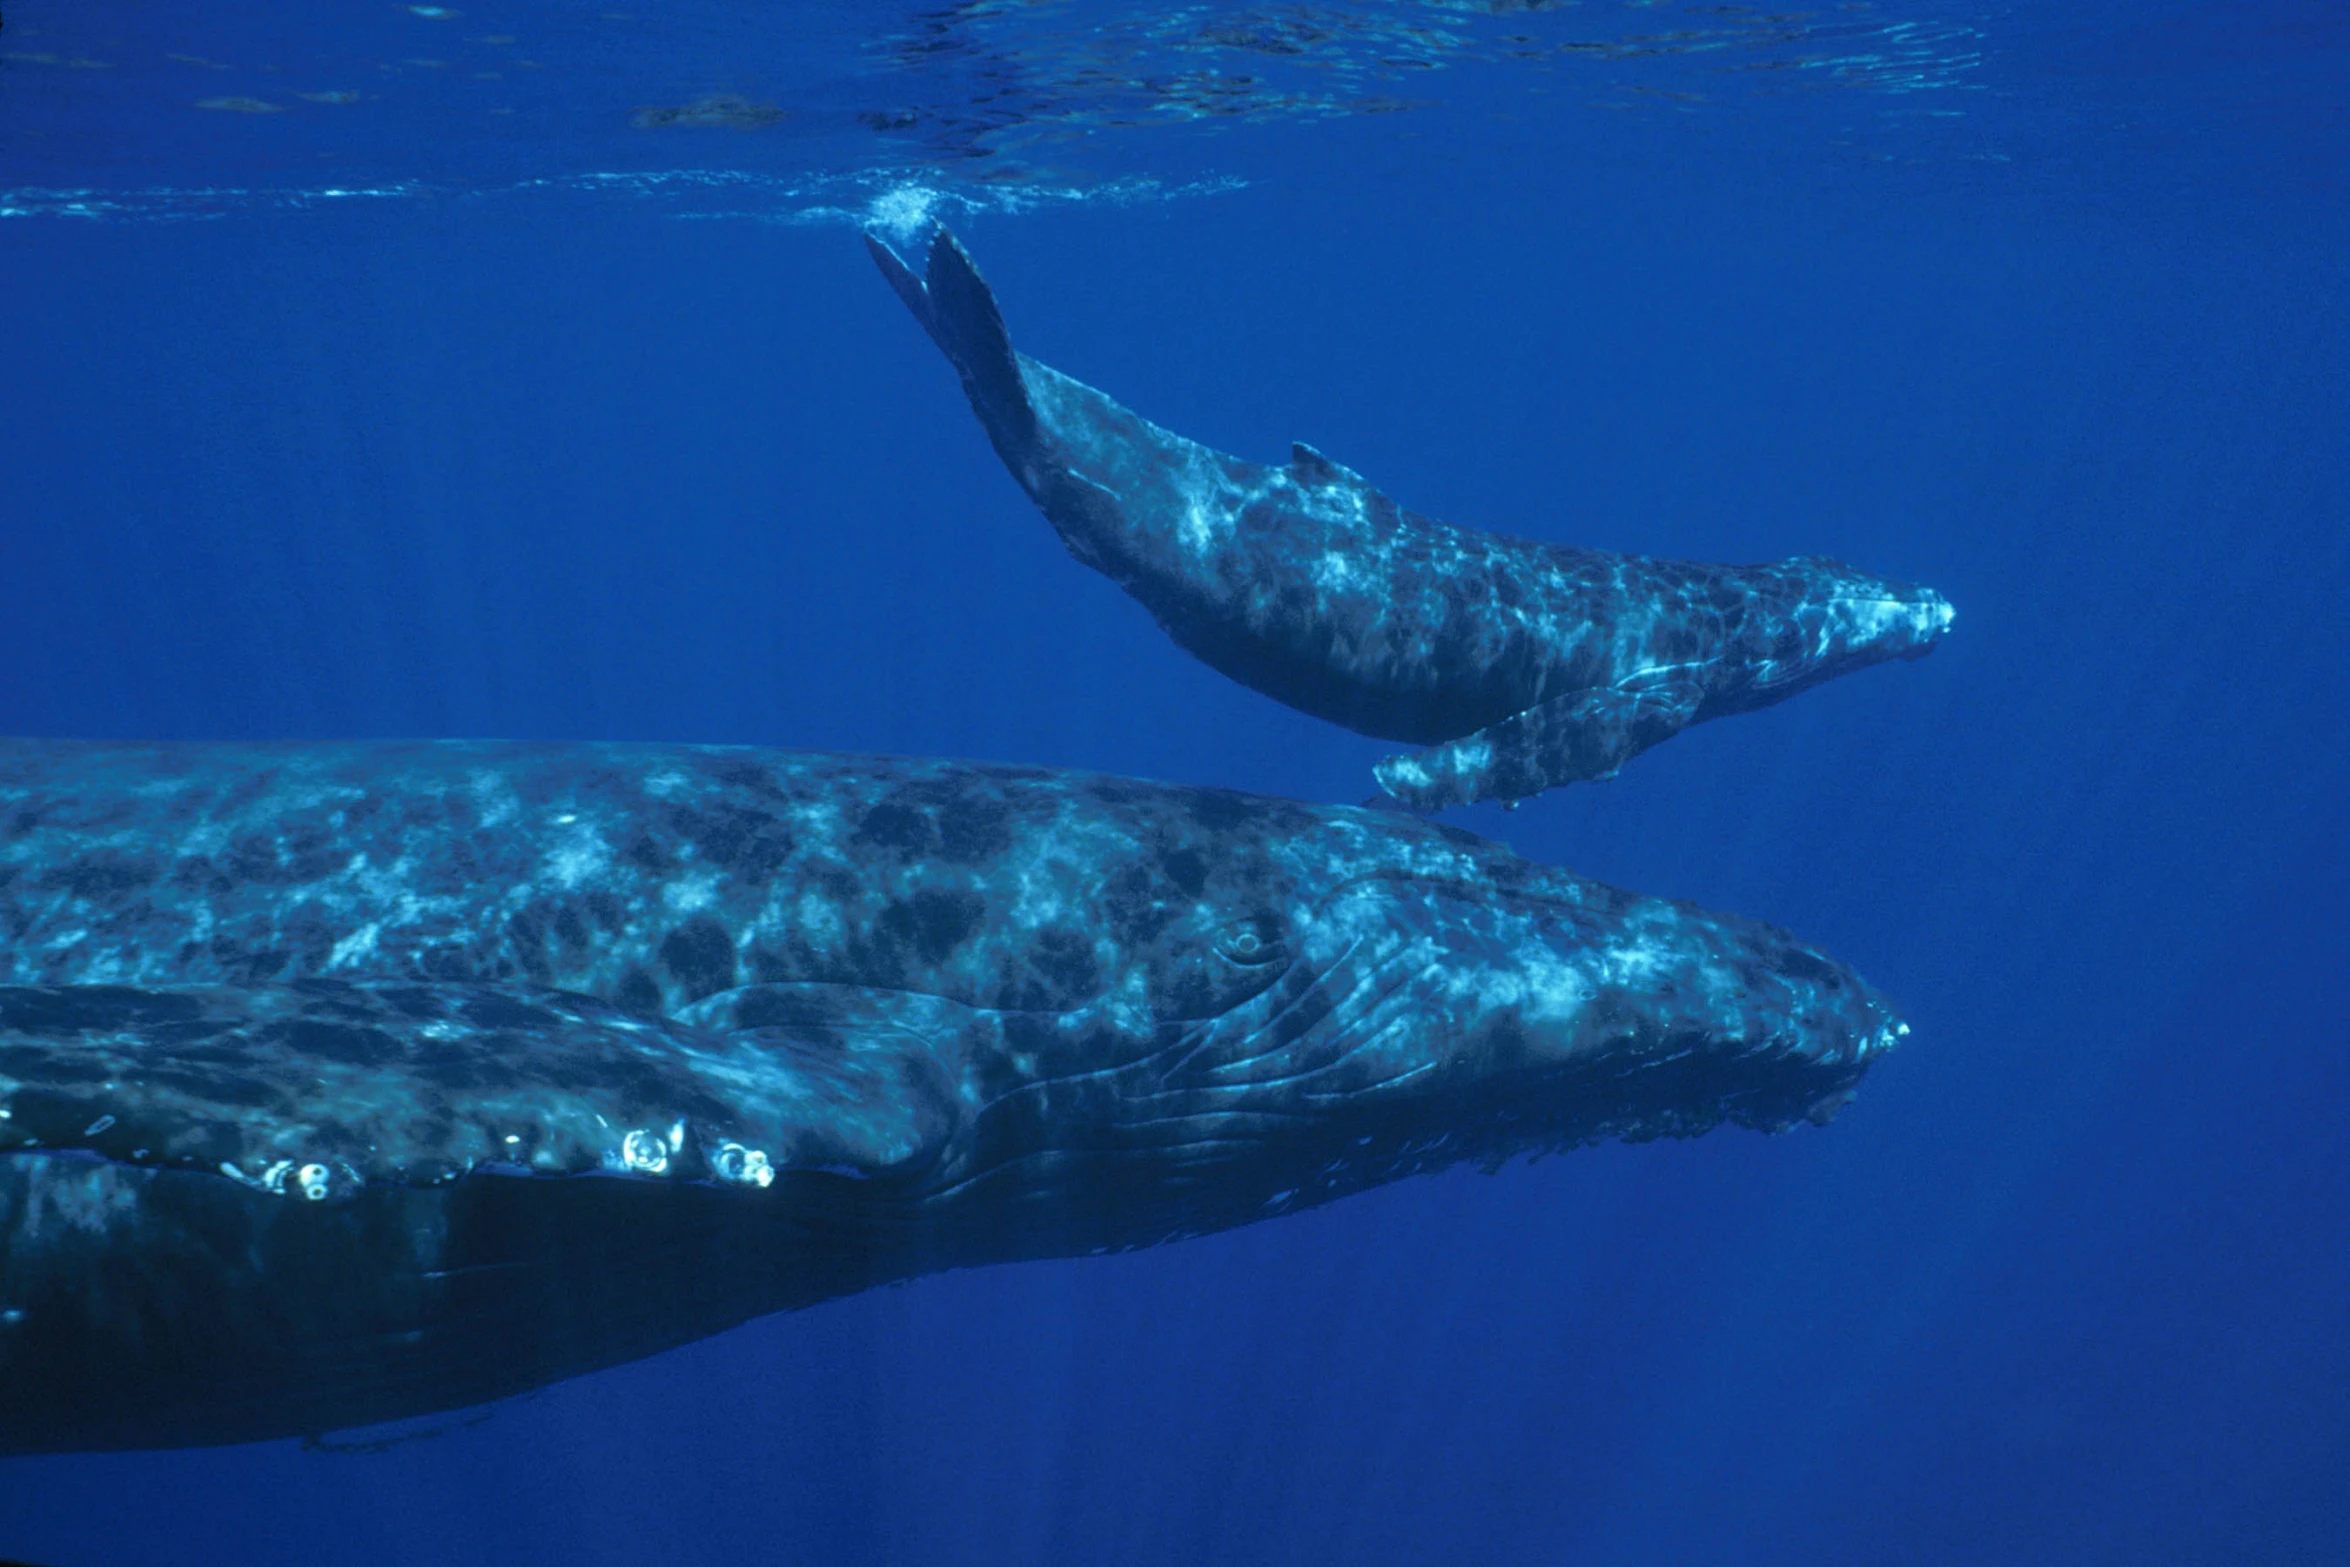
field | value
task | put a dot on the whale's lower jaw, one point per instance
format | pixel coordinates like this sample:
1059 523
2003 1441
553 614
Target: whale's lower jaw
170 1307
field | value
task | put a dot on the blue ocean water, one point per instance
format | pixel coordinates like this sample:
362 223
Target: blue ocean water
515 369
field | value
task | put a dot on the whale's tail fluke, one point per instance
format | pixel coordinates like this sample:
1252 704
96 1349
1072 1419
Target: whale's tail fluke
958 310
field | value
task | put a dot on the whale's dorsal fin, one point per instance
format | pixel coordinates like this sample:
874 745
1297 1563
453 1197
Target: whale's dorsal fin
1311 467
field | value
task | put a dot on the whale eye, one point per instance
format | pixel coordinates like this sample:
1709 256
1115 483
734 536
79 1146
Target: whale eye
1251 943
1205 973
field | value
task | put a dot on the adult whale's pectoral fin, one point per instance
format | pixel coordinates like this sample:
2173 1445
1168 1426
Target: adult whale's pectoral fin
870 1080
314 1089
1569 739
958 310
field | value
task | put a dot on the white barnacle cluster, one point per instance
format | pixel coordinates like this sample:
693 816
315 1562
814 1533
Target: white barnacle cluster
743 1166
647 1152
287 1177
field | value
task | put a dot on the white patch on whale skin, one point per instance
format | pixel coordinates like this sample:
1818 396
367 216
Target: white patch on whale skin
85 1195
691 892
1635 961
1549 989
1864 621
203 840
66 939
355 946
493 797
1210 502
1405 772
1197 530
1335 572
386 890
816 920
1881 1041
578 856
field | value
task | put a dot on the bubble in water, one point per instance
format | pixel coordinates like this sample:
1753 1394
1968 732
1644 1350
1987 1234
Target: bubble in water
903 214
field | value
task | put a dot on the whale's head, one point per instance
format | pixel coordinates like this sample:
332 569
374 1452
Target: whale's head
1377 995
1803 622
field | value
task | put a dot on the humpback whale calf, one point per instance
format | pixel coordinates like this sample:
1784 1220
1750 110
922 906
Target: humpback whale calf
1520 665
342 1083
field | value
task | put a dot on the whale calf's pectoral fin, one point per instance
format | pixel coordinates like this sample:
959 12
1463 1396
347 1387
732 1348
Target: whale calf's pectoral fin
1310 467
1569 739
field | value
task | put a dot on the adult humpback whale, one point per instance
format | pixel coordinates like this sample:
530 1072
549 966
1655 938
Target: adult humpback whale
1521 665
344 1082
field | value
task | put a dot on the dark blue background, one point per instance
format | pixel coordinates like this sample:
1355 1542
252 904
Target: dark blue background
2068 1282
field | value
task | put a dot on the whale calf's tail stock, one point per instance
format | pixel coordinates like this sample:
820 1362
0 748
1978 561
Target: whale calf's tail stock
958 310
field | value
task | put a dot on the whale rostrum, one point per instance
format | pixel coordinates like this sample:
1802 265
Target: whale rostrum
346 1082
1519 665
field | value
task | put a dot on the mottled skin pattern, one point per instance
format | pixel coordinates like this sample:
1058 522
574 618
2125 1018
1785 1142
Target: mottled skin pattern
344 1082
1523 665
